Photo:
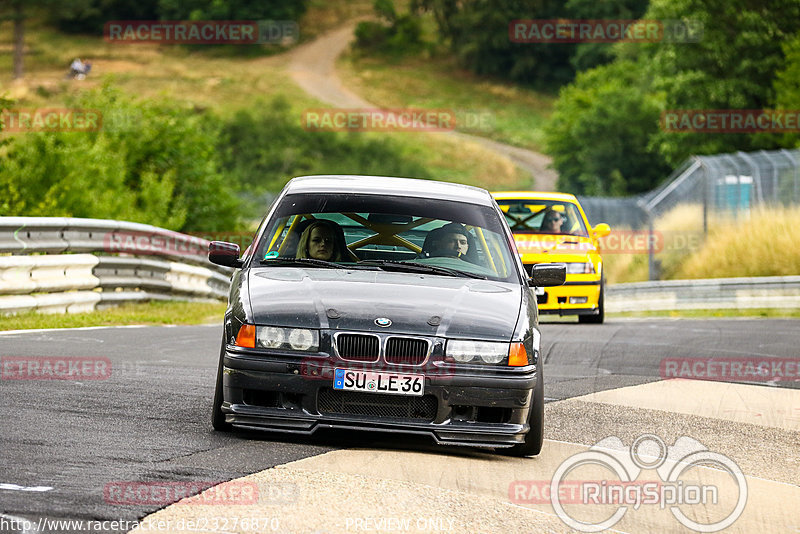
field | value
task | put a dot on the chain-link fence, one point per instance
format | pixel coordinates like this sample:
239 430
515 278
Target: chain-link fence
704 187
729 183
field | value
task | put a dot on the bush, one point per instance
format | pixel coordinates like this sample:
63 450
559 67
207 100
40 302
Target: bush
149 163
394 35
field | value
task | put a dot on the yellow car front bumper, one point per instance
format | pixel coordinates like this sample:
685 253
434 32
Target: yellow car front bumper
575 297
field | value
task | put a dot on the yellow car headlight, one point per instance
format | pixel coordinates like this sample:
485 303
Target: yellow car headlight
580 268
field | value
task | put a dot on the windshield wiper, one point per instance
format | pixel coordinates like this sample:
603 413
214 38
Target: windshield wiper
412 267
305 262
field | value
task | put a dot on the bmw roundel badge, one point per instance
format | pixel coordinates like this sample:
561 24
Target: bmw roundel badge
383 321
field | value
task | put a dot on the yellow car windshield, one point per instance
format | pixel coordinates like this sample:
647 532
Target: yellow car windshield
529 216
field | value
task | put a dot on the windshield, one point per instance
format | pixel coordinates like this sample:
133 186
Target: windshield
391 233
533 216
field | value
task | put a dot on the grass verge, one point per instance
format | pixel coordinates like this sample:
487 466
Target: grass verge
149 313
499 111
765 243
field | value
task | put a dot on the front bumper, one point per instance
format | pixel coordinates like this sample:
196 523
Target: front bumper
281 395
561 299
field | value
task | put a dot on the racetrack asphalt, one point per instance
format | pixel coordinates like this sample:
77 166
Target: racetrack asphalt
149 420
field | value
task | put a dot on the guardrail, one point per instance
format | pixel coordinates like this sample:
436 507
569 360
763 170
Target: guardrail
715 293
63 265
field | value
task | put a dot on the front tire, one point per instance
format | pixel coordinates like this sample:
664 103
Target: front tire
535 436
601 308
217 417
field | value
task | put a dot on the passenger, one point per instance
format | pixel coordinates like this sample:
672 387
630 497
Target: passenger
289 248
323 240
552 222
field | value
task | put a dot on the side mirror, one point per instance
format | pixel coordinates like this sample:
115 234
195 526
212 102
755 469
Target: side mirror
225 254
601 230
548 275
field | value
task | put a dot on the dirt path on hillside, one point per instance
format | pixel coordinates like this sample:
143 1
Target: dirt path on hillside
313 67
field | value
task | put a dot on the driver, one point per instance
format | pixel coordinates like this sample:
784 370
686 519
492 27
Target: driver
450 240
552 222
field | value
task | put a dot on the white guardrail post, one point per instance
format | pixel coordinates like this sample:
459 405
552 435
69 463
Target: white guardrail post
60 264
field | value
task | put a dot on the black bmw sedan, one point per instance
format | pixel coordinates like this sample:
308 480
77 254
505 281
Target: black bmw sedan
384 304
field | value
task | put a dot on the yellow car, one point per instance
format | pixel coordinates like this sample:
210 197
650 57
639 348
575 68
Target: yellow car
552 228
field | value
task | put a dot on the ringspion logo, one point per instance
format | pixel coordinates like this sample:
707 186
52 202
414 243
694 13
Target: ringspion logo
693 502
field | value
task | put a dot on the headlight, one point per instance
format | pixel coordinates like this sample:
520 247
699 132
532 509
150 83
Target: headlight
270 337
302 339
464 351
580 268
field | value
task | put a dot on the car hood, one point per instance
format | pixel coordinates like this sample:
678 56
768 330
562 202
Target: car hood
344 299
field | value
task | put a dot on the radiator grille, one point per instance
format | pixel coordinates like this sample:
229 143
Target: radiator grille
331 401
406 351
358 347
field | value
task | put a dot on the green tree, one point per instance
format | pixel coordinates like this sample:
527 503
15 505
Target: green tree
746 59
787 87
787 80
598 132
393 34
90 16
732 67
477 32
588 55
231 9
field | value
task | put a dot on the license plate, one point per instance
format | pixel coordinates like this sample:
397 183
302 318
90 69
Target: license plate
538 291
351 380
